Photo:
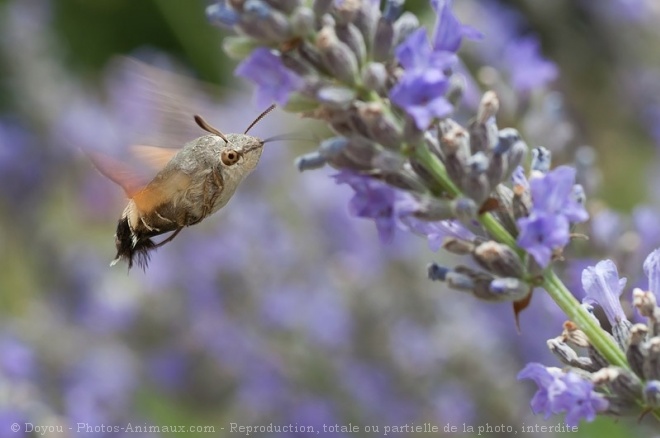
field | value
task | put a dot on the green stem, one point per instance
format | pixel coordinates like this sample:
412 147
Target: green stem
579 315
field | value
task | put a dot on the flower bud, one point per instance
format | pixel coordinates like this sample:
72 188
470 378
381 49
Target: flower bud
286 6
652 393
393 9
380 127
623 384
475 181
303 21
458 246
541 160
499 259
634 352
621 333
404 26
260 19
652 362
351 36
320 7
383 40
222 14
509 289
310 161
455 149
346 10
374 77
568 356
454 280
336 97
337 57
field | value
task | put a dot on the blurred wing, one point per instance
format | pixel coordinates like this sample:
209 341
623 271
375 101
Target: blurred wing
164 101
155 157
117 171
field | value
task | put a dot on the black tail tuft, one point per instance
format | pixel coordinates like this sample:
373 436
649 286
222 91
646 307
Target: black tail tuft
131 249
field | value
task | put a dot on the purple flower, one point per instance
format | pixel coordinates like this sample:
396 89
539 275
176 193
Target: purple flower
449 32
274 81
415 53
376 200
17 359
652 271
541 233
603 286
422 95
553 193
563 392
529 70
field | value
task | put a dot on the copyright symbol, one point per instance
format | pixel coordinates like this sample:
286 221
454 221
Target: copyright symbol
15 427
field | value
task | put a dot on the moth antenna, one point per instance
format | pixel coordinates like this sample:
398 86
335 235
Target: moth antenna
206 126
261 116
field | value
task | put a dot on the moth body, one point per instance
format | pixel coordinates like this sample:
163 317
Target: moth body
195 183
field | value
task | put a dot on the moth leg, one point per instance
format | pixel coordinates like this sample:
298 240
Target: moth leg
169 239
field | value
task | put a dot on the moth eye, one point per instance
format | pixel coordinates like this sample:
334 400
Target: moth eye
229 157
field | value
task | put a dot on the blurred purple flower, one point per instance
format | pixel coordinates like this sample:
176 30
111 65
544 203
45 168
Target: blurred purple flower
449 32
422 95
8 417
17 359
318 312
100 386
563 392
168 368
24 165
540 234
645 219
274 81
529 70
413 348
606 227
454 404
652 271
415 53
603 286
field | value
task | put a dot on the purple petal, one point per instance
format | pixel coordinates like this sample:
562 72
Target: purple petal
421 95
540 234
652 271
603 286
449 32
274 81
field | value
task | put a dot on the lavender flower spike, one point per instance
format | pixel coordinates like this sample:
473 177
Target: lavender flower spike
603 286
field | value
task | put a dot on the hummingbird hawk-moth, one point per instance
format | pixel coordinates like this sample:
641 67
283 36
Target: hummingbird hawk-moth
192 183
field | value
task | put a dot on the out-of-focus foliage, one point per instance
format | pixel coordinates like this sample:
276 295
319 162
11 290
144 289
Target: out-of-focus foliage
282 308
